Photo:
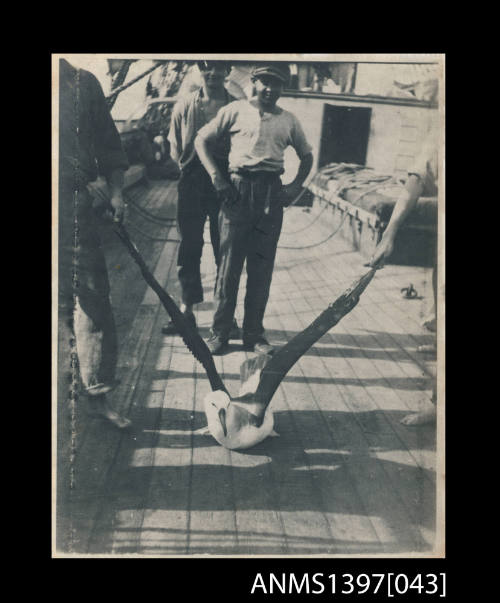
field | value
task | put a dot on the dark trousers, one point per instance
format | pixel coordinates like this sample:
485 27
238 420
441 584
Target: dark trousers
85 316
197 200
250 226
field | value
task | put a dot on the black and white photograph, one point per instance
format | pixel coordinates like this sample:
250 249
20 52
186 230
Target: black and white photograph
248 305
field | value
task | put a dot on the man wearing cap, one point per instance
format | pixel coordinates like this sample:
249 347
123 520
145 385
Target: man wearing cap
197 197
252 198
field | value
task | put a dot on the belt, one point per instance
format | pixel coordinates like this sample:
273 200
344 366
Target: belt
268 178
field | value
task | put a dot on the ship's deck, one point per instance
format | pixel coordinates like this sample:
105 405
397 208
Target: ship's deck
344 477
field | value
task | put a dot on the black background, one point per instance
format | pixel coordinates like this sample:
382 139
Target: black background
231 579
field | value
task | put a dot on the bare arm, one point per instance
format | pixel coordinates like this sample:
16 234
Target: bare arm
293 189
404 205
174 135
115 184
218 180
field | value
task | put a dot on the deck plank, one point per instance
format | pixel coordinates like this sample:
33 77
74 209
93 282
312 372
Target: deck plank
257 510
344 477
353 456
97 445
361 368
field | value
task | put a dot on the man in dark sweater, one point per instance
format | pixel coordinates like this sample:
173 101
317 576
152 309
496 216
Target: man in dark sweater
89 145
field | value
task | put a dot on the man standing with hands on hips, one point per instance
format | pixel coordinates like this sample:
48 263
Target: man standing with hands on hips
252 199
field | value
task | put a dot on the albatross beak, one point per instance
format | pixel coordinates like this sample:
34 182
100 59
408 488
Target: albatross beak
222 419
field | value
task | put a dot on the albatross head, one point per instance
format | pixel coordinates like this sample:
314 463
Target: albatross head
232 425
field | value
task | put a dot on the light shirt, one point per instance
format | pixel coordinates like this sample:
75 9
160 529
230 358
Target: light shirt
258 141
188 116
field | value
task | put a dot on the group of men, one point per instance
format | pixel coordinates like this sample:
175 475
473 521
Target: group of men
231 157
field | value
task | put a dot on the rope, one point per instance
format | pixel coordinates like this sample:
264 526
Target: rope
374 187
111 97
103 197
294 202
159 221
320 242
152 238
118 79
289 232
149 216
384 181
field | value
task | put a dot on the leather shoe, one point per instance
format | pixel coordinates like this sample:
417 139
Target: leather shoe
216 345
260 345
235 332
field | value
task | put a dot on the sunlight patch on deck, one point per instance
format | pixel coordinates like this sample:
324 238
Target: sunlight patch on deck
426 458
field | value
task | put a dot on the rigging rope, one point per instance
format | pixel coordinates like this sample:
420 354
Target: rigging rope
144 213
117 80
111 97
151 237
383 181
290 232
319 242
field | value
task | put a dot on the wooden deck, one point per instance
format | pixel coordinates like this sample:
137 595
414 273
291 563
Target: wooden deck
345 477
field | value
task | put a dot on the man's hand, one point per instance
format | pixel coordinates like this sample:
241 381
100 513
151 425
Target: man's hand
382 252
118 206
223 187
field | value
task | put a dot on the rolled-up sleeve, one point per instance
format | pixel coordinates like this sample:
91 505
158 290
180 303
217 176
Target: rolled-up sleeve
108 146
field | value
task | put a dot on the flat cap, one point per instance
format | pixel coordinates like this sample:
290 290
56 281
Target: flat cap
278 70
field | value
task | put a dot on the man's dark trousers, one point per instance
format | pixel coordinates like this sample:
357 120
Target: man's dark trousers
197 200
249 226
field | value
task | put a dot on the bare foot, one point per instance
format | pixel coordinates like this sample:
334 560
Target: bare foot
420 418
103 408
430 324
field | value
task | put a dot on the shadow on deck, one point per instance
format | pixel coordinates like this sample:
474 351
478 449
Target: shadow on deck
344 477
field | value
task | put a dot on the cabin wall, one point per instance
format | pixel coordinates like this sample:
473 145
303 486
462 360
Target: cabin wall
396 132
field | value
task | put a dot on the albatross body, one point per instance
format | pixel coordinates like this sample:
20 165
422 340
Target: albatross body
233 424
247 420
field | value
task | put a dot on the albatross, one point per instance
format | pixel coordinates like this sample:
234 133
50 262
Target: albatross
247 419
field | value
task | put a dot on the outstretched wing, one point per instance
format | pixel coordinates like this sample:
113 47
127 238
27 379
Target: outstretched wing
189 334
261 376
